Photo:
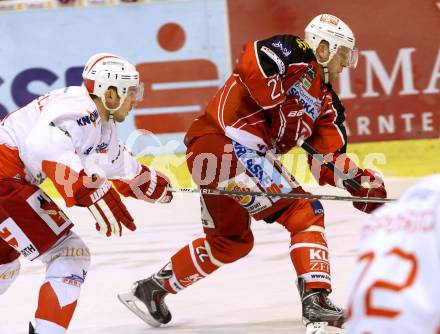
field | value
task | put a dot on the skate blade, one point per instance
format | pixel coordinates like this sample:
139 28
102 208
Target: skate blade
130 301
322 328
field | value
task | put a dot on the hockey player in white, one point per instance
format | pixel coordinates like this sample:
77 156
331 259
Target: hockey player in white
69 136
395 287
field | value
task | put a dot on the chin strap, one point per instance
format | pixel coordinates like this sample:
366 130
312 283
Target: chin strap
326 76
325 68
111 111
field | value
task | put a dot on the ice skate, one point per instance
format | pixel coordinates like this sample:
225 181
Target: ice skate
152 294
320 315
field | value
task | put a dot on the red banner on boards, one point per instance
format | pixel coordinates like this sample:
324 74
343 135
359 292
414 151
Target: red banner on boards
394 93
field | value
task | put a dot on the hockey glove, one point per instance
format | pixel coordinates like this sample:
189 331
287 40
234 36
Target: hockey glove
288 125
93 192
372 186
149 185
106 206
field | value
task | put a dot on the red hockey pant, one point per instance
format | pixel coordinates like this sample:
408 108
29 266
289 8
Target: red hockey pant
226 221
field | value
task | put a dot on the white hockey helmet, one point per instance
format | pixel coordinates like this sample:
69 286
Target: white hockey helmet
104 70
336 33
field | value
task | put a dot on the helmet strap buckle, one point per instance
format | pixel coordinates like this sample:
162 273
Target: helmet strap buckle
326 75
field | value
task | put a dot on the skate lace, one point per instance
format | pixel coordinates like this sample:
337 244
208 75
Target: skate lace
154 279
324 299
328 302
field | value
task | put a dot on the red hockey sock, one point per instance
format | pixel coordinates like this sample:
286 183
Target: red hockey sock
309 254
190 264
49 308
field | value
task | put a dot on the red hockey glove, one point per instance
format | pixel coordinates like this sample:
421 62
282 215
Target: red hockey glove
106 206
288 125
93 192
149 185
372 186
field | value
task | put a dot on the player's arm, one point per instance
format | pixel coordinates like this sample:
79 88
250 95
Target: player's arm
263 64
289 123
50 148
329 138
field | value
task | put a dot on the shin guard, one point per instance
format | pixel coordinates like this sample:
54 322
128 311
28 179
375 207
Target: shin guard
51 316
309 254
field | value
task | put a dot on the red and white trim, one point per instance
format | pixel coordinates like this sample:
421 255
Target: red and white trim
307 245
194 260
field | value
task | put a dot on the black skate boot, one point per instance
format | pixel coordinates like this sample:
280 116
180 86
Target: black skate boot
320 315
31 329
150 292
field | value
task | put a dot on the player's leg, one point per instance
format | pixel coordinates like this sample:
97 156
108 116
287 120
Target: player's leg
304 219
67 264
228 238
226 241
9 266
35 226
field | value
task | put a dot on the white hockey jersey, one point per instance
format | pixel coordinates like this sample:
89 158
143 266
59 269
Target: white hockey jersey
64 126
396 285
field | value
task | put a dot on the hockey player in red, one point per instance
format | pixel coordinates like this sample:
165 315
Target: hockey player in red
69 136
279 95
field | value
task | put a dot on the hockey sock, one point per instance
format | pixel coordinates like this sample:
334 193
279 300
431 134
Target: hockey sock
189 265
52 317
309 254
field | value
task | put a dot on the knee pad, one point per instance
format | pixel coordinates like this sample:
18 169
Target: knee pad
67 264
231 248
302 215
8 273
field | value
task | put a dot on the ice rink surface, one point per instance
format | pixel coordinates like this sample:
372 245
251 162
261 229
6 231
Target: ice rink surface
256 294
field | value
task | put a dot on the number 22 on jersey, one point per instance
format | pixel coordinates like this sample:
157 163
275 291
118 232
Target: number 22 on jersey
406 259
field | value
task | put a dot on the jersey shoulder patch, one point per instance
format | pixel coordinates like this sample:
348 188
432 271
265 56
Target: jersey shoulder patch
276 53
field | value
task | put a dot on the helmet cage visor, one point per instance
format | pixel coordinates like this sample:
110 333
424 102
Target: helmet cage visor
349 56
136 92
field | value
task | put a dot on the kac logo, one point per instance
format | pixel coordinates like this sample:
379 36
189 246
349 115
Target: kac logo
101 148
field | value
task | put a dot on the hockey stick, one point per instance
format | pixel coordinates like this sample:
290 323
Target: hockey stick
205 191
329 164
282 169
